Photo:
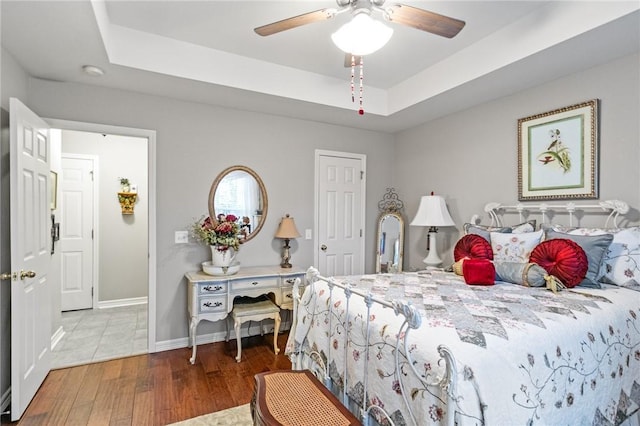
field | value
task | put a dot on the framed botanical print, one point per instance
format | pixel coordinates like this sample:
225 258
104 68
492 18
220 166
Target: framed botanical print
558 154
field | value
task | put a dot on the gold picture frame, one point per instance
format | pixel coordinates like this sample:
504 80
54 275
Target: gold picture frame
558 154
54 190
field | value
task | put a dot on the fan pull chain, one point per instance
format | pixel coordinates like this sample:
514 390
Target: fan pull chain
361 110
353 74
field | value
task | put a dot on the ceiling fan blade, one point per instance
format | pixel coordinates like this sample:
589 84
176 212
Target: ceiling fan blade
296 21
424 20
347 60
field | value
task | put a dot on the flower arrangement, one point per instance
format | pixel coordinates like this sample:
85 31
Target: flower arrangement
124 184
221 232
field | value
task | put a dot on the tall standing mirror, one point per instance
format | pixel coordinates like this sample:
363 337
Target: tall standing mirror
390 234
239 191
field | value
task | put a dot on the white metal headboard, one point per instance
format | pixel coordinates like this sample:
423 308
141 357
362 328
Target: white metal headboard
614 207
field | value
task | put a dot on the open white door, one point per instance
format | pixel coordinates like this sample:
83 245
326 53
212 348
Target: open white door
30 255
340 216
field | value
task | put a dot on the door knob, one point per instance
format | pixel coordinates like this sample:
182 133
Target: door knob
7 276
323 247
27 274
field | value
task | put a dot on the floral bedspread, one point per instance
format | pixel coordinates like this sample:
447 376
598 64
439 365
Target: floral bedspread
523 355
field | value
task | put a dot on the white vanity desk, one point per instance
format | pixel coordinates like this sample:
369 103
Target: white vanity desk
210 298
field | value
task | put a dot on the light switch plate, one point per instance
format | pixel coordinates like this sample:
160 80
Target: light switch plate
182 237
307 234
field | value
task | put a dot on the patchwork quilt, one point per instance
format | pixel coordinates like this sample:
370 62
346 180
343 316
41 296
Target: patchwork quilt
523 355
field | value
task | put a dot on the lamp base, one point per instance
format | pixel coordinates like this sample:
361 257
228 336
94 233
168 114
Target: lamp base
285 255
432 258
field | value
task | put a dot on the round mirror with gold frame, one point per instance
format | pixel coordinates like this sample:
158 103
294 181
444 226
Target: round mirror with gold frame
238 190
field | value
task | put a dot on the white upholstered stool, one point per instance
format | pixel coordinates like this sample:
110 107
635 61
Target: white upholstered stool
254 311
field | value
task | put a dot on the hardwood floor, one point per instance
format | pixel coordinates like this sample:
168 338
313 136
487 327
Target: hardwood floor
154 389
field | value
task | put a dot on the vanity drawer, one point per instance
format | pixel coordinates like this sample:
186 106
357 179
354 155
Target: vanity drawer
288 281
287 297
254 283
212 288
212 304
287 290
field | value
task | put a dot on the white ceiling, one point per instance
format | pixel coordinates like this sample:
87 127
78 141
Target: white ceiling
206 51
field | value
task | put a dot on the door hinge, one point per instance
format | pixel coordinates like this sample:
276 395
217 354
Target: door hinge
92 234
91 173
91 291
361 174
361 233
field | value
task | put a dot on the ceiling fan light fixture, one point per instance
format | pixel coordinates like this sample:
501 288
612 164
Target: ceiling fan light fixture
362 35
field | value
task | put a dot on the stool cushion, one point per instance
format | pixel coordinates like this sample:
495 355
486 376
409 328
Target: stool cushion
264 307
296 398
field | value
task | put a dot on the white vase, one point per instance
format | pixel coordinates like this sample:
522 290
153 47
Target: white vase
222 258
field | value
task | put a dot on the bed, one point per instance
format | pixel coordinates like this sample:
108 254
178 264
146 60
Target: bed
426 348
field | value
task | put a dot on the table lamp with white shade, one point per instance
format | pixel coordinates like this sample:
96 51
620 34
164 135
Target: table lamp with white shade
433 213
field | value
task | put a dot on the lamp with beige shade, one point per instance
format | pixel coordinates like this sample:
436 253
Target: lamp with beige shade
286 231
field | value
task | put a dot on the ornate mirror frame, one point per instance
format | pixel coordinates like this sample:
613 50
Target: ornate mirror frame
263 194
390 210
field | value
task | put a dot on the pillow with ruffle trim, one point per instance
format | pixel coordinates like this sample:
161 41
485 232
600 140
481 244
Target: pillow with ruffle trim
562 258
472 246
594 247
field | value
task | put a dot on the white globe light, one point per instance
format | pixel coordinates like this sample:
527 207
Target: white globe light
362 35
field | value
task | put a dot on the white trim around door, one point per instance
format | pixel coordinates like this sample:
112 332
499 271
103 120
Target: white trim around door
150 135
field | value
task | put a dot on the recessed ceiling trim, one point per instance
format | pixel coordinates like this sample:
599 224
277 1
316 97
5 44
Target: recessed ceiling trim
541 29
186 60
515 42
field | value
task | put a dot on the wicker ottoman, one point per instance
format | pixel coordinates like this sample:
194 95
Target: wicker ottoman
296 398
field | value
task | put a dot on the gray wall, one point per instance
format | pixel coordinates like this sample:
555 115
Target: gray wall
122 238
194 143
470 157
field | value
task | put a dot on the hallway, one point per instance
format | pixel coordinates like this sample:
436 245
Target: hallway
100 334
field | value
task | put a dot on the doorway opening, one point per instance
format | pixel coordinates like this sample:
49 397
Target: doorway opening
119 255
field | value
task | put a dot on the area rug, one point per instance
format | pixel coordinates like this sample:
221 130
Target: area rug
236 416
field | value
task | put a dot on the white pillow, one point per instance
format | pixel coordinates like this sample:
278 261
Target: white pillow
621 262
514 247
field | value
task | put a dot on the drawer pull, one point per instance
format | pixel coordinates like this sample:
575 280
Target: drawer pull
210 288
290 281
212 305
289 296
255 283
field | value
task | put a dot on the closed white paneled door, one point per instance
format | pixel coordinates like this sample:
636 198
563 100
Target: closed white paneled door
340 213
30 254
77 231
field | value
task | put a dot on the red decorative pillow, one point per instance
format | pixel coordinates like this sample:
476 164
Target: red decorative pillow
562 258
472 246
479 271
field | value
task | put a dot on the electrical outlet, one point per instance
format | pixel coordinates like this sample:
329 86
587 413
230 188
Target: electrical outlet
307 234
182 237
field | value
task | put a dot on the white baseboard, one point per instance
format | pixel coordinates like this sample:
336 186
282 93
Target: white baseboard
56 337
106 304
203 339
6 400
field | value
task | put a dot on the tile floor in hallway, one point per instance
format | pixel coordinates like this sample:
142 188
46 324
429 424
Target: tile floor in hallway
99 334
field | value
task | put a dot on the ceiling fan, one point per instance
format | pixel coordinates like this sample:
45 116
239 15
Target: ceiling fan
394 12
364 35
